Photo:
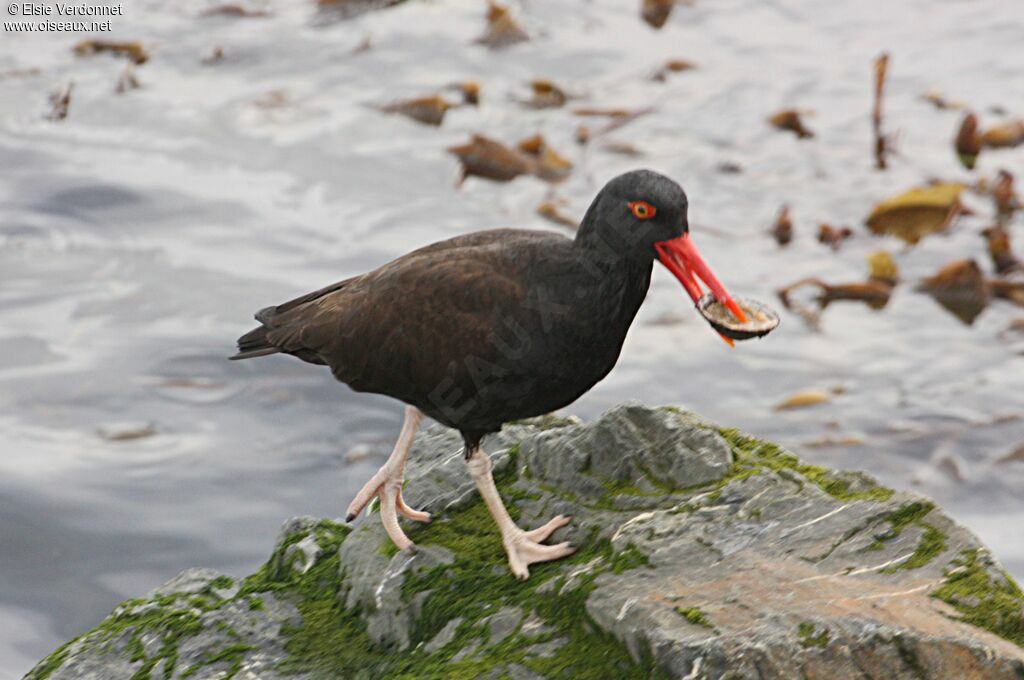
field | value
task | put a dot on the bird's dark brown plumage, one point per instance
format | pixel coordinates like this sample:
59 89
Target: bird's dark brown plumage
488 327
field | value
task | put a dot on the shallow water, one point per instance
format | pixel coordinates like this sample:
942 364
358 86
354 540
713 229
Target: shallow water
138 236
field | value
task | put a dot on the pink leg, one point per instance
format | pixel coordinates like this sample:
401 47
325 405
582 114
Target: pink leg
523 547
386 484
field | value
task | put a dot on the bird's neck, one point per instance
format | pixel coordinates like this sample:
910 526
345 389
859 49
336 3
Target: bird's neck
612 285
619 272
610 262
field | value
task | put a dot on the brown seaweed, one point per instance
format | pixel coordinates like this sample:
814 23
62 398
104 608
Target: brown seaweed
1015 456
427 110
782 229
939 101
60 101
833 237
619 118
882 141
623 149
1004 195
502 29
126 432
130 50
550 211
672 66
548 164
960 288
599 111
1004 136
127 80
490 159
791 121
970 141
470 90
998 240
545 95
235 11
883 275
1012 291
967 141
875 294
656 12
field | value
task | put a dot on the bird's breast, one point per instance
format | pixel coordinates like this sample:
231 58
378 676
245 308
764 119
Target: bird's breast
580 326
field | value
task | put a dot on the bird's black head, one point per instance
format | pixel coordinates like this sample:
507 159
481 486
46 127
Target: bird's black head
640 216
633 212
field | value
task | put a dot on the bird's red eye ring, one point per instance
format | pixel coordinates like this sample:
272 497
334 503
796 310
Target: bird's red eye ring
642 210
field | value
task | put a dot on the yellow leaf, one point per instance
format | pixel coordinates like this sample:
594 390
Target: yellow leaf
803 400
882 267
1004 135
914 214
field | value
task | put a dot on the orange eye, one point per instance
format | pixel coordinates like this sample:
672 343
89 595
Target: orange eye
642 210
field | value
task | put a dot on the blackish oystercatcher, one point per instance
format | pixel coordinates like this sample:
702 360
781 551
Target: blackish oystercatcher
490 327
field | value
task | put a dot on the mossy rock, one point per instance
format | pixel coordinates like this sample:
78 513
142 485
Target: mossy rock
702 552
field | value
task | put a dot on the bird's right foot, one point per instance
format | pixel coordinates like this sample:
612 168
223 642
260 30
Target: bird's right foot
525 547
386 485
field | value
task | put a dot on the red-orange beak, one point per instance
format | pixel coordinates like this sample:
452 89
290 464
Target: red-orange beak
681 257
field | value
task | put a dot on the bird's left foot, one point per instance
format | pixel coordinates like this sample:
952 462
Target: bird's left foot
525 548
386 485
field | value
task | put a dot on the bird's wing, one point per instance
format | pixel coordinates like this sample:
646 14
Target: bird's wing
268 313
421 325
475 239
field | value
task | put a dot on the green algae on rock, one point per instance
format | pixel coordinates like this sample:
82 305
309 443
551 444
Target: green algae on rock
702 552
811 635
985 595
695 616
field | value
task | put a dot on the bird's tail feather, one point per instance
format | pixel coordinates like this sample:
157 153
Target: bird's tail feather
254 344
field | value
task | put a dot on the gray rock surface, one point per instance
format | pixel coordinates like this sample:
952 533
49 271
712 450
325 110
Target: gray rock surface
702 554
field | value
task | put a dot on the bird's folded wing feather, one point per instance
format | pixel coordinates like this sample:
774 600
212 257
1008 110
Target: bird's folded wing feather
403 325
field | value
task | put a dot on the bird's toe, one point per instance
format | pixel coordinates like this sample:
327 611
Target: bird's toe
409 513
544 532
544 553
370 490
524 551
